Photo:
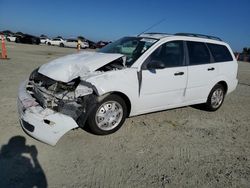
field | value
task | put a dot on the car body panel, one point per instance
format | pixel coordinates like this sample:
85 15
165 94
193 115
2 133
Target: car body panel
163 87
55 41
200 80
124 81
69 67
44 40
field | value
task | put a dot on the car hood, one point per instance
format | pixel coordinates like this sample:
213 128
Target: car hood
72 66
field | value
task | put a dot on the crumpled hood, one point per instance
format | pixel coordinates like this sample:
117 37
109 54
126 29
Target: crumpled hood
72 66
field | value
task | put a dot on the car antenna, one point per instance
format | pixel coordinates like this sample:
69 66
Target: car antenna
157 23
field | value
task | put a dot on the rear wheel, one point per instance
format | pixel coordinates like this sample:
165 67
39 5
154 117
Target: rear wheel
215 98
61 45
49 43
108 116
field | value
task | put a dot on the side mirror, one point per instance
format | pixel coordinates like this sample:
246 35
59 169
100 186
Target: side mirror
154 64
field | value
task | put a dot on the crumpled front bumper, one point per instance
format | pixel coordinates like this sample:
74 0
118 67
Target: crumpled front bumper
43 124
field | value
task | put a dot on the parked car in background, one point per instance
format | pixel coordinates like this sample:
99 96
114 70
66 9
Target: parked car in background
44 40
72 43
11 38
101 44
92 45
132 76
56 42
28 39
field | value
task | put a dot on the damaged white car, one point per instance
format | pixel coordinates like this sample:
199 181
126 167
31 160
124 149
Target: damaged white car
132 76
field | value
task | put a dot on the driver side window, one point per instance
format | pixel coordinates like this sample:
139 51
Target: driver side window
170 54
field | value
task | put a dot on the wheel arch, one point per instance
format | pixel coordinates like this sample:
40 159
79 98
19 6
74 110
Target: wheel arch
221 82
224 84
125 98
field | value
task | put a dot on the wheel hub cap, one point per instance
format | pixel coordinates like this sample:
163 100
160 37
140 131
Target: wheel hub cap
217 98
109 115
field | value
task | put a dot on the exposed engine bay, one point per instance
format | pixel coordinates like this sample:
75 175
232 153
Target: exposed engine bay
116 64
75 98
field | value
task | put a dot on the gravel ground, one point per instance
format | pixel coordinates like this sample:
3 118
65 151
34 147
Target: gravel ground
184 147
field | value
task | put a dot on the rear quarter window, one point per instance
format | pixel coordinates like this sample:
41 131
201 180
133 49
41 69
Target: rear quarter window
220 52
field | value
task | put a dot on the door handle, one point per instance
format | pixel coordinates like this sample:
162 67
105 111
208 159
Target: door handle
178 73
211 69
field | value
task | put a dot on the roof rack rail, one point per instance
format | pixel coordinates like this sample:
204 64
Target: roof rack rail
152 33
198 35
155 33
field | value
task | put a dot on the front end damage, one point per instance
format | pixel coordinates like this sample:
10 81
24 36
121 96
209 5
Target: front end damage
48 108
55 100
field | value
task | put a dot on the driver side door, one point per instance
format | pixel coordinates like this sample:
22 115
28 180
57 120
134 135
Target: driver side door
163 78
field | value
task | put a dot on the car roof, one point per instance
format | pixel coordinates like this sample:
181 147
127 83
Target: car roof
155 35
183 36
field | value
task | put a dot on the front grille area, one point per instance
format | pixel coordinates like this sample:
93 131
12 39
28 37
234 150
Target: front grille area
55 95
41 79
36 83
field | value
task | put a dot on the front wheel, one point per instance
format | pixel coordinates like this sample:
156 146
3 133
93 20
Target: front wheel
215 98
108 116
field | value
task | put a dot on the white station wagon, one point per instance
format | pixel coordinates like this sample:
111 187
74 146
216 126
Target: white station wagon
132 76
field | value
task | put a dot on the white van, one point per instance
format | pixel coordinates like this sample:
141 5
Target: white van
132 76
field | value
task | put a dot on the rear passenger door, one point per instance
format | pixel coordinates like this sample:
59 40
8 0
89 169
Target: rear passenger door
224 61
201 72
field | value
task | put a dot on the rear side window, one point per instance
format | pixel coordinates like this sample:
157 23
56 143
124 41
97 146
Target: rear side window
220 52
198 53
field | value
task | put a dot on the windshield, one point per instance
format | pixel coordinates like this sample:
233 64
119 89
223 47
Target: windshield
131 47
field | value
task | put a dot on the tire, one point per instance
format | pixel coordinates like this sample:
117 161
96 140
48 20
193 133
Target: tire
8 39
108 116
49 43
61 45
17 40
215 98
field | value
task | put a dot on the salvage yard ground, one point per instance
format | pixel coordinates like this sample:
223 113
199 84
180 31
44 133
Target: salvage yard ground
184 147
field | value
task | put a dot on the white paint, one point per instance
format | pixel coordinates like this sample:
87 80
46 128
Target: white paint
74 42
55 41
12 38
69 67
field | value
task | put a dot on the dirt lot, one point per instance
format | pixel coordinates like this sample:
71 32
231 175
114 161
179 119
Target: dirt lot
184 147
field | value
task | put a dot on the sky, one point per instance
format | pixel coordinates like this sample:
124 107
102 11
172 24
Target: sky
113 19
